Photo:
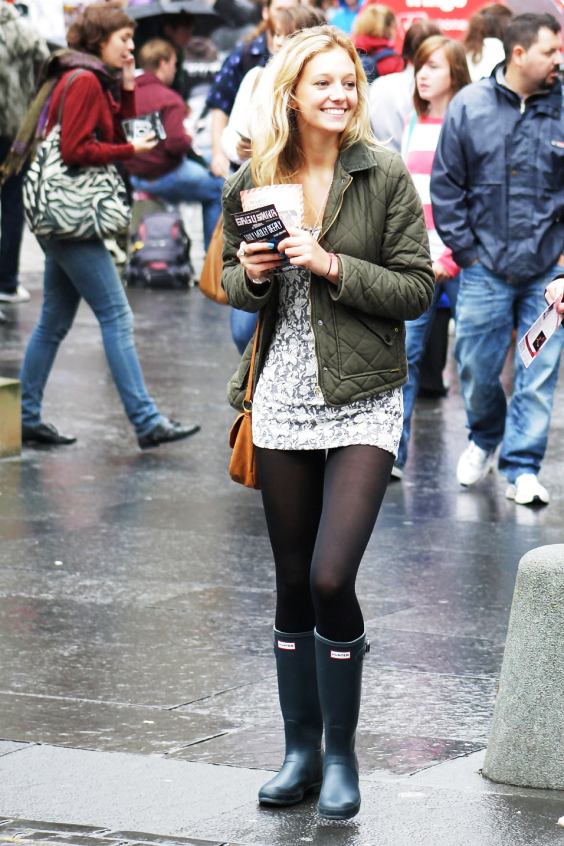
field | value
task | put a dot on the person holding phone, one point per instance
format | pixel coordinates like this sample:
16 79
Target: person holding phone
95 102
327 405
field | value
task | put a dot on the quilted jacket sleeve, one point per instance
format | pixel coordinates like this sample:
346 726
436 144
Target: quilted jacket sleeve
233 278
401 287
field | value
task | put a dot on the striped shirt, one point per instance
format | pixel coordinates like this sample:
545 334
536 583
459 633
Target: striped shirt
419 142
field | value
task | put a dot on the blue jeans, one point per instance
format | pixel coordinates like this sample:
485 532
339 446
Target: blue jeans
416 336
12 224
189 183
243 325
484 324
76 269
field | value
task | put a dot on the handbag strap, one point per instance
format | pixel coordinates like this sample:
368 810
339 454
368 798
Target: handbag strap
248 401
68 82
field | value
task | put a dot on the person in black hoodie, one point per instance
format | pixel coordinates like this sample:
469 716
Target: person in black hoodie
171 170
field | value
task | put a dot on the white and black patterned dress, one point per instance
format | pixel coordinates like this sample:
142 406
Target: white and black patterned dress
289 411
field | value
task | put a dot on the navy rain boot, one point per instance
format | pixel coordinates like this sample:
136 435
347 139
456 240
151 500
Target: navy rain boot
339 679
301 771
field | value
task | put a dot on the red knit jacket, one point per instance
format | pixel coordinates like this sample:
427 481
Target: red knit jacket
152 95
91 132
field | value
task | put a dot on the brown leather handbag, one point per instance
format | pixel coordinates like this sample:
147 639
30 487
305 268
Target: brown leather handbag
243 467
210 277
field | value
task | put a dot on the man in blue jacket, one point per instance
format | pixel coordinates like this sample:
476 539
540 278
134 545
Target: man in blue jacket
497 190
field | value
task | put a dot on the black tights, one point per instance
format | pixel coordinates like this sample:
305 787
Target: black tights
320 512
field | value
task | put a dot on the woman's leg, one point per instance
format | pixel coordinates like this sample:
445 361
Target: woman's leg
292 495
416 336
355 482
60 303
93 274
292 485
356 478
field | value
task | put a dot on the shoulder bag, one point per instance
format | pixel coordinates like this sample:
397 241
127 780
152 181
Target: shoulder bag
210 276
242 467
78 203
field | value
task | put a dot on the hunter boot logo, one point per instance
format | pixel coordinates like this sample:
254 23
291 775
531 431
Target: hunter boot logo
287 644
340 656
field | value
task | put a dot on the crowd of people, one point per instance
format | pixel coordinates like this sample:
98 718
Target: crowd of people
432 174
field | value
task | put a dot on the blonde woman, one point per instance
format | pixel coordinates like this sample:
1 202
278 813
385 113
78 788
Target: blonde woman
327 410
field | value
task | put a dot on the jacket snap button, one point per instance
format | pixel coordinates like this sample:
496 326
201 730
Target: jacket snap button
325 369
396 329
320 323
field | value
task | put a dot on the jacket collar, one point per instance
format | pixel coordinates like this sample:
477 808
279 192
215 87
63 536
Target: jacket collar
547 100
357 157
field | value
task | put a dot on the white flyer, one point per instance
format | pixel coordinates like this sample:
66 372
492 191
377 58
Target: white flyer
288 197
533 341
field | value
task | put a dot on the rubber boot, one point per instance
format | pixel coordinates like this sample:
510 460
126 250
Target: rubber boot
301 771
339 678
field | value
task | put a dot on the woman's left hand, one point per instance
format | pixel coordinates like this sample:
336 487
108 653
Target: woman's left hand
128 75
302 250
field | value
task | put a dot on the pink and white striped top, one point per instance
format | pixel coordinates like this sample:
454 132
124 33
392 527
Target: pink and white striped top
419 142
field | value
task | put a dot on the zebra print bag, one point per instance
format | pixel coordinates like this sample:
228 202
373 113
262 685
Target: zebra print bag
77 203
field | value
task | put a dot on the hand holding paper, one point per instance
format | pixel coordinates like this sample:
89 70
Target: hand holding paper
533 341
555 291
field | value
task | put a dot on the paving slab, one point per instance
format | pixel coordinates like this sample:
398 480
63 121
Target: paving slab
7 747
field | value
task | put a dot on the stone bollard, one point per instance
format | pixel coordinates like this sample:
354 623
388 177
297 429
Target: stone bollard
526 744
10 418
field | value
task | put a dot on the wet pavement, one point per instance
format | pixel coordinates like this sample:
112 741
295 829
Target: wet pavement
137 687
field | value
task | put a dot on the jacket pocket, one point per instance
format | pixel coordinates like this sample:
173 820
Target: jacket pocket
366 344
486 211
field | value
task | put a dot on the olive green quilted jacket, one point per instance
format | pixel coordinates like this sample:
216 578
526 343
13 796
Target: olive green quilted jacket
373 221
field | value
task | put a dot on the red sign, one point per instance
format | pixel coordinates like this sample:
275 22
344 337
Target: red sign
451 15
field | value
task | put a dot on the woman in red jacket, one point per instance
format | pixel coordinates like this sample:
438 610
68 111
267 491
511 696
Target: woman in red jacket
95 102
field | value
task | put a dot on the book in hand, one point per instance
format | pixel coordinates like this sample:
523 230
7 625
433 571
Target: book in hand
143 125
534 339
262 224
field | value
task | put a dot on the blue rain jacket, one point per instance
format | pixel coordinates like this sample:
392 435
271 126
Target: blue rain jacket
497 184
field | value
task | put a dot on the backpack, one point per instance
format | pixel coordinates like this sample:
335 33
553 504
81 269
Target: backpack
160 252
370 62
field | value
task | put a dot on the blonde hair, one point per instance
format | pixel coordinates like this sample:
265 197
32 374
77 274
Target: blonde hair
277 153
153 52
376 20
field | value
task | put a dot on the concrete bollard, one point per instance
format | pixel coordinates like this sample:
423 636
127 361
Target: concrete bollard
10 418
526 744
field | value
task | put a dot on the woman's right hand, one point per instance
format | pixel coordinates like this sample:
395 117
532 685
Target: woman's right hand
258 258
143 145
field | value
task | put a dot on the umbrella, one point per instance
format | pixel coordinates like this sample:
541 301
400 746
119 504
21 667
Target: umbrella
203 12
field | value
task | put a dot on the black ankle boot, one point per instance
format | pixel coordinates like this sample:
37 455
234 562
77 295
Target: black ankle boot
339 678
301 771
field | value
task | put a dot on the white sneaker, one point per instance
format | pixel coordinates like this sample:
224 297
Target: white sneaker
21 295
397 472
527 490
474 464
